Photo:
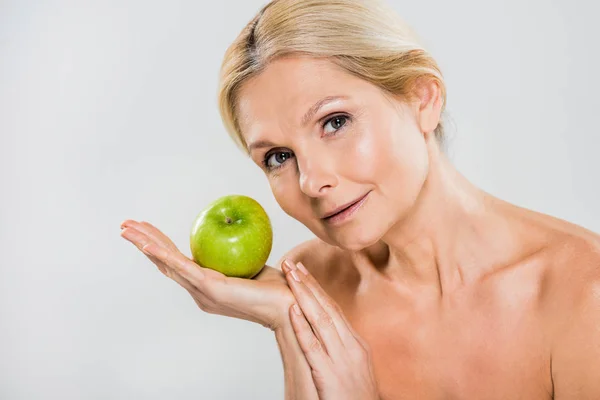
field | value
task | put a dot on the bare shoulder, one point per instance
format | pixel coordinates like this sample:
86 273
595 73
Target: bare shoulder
313 253
571 275
572 269
320 259
572 315
568 301
575 262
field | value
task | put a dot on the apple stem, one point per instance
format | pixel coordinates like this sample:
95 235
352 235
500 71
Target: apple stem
229 220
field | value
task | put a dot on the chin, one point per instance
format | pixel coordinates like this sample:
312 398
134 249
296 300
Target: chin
355 238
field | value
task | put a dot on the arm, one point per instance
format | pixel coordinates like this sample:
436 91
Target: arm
576 355
299 383
339 359
265 299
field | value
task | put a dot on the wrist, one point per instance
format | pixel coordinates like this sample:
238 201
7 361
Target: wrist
299 383
281 321
283 327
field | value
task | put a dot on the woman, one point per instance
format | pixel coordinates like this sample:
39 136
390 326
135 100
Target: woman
418 285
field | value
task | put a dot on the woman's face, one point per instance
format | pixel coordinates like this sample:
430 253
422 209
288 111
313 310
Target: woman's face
355 142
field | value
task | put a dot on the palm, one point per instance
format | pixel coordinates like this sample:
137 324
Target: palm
264 299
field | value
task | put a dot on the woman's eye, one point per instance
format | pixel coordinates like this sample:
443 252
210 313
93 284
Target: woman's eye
335 123
275 160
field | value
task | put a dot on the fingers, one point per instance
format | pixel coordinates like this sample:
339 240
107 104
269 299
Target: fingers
311 346
324 324
151 231
170 258
201 300
351 339
173 264
136 237
140 240
178 262
345 330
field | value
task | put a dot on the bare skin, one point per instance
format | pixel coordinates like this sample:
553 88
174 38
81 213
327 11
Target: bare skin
453 293
490 339
459 294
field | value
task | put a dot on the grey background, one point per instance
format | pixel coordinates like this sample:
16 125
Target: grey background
108 112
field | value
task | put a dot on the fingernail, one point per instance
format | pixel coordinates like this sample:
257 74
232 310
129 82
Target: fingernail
296 309
295 276
301 268
289 265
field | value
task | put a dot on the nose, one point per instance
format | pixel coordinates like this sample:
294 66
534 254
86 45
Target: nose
317 177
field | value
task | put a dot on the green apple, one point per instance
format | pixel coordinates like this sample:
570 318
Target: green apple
232 235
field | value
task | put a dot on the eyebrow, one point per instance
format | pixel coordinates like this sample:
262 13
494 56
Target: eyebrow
317 106
259 144
305 119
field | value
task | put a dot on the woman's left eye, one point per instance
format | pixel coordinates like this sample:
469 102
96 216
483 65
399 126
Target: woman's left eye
334 123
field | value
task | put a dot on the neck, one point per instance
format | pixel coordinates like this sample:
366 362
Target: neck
454 235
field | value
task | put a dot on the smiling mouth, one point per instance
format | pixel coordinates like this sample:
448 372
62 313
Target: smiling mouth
346 212
341 211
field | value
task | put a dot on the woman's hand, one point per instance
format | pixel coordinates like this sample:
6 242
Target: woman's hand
265 299
340 360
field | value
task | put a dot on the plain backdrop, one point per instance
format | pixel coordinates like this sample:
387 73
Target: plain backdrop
108 112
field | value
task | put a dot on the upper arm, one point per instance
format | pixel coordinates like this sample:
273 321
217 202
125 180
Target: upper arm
576 350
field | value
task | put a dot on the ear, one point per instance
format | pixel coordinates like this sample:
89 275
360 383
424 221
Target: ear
427 104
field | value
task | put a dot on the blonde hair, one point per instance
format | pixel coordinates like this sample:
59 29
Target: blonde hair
364 37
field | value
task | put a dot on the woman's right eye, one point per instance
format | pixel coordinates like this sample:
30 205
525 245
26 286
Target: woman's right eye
275 160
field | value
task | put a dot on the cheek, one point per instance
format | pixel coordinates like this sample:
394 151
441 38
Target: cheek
376 153
362 159
411 165
281 194
392 155
287 194
293 202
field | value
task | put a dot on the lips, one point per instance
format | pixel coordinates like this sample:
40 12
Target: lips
342 208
